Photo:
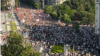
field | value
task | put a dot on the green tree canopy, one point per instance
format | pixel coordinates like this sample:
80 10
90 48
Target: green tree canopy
4 5
16 2
87 17
76 26
48 9
53 15
85 8
14 46
36 5
66 18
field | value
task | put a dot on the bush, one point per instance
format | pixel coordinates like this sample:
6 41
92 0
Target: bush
57 49
71 50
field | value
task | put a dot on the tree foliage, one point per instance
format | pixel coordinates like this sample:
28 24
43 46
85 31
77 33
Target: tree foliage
36 5
16 2
14 46
85 8
53 15
4 5
66 18
57 49
48 9
31 3
76 26
28 2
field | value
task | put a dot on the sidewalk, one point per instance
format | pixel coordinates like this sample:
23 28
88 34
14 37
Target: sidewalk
8 21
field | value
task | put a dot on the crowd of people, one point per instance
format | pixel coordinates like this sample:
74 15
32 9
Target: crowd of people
53 32
86 41
33 17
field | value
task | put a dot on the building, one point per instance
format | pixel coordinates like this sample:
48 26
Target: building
49 2
97 18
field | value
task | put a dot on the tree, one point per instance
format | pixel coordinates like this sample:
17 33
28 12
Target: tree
28 2
65 18
66 9
91 18
36 5
4 5
14 46
53 15
48 9
84 20
16 2
87 6
87 17
80 8
91 10
34 53
76 27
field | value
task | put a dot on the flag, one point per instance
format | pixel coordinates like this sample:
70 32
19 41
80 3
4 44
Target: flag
16 7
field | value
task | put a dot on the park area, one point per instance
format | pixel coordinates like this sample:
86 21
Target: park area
13 25
60 49
57 49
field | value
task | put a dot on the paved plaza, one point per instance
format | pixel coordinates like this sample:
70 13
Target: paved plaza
2 20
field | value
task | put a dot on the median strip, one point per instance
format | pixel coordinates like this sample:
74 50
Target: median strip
13 26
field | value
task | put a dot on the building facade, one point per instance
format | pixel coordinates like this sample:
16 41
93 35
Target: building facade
49 2
97 18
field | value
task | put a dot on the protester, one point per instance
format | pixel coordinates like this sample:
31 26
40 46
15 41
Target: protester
44 28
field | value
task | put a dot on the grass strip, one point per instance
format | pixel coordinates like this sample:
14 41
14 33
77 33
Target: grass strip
6 27
13 26
9 15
